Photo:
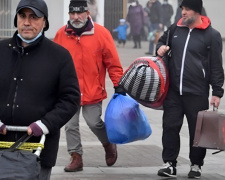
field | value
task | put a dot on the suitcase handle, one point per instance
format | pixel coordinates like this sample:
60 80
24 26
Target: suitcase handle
215 108
24 129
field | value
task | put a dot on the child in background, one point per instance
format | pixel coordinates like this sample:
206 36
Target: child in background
122 32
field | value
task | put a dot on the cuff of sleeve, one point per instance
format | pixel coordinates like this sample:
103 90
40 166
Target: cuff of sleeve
42 126
1 123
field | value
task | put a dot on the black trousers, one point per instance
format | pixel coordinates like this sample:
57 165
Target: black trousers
137 41
175 107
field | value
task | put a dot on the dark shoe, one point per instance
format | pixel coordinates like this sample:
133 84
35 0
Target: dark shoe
110 153
135 47
168 170
76 163
195 172
148 53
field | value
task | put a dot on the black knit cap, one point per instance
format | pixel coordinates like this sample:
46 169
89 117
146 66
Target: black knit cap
195 5
38 6
78 6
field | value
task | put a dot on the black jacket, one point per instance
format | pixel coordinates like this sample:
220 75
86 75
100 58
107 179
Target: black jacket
156 13
194 65
38 82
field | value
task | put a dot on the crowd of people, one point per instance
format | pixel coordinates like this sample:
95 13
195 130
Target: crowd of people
148 23
47 84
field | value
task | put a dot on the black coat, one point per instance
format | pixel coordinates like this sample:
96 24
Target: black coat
193 65
38 82
156 13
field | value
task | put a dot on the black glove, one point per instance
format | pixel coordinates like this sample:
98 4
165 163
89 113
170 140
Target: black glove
120 90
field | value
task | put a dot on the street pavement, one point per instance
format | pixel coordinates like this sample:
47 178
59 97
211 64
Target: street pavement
138 160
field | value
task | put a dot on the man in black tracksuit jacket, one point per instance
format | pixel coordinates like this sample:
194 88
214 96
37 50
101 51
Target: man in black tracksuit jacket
38 83
194 66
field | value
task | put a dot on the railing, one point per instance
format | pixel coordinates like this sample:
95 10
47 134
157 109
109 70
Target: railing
6 33
6 19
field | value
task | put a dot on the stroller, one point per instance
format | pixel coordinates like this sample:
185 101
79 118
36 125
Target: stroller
20 160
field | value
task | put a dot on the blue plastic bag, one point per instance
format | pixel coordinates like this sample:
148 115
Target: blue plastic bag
124 120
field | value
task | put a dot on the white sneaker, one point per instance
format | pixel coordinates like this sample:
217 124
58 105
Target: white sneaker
168 170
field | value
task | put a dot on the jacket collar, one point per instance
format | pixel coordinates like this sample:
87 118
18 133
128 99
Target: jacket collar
15 42
205 23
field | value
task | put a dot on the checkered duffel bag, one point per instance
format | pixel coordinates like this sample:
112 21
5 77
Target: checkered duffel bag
146 80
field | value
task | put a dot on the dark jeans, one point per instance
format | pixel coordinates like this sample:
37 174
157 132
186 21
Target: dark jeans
175 107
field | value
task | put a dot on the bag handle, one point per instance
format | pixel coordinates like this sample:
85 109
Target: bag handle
24 138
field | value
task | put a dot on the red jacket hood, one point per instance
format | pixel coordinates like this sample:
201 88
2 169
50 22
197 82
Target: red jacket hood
205 23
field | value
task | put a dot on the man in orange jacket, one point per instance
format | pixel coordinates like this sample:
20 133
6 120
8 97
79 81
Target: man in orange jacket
93 51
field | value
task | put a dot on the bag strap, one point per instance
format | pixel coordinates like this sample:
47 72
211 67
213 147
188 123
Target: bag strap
208 37
170 33
19 142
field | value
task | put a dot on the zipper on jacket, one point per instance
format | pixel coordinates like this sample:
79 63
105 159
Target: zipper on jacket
14 100
78 39
183 59
17 85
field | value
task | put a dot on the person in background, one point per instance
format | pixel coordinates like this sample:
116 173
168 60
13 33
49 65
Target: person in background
156 19
147 21
93 51
194 66
39 86
122 32
135 18
167 14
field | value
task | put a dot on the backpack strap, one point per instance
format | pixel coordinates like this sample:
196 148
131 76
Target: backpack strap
171 31
208 40
208 37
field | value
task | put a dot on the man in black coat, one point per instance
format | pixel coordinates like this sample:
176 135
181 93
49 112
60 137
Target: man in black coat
156 25
167 14
38 82
194 66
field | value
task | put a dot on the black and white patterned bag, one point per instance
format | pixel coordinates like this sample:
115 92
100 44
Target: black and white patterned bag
145 79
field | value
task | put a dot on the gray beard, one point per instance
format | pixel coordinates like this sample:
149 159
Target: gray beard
80 25
188 21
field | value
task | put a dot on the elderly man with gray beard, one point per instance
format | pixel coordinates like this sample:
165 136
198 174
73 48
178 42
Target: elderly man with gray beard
93 51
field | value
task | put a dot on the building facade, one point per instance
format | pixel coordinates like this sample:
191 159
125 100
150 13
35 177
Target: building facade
107 13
